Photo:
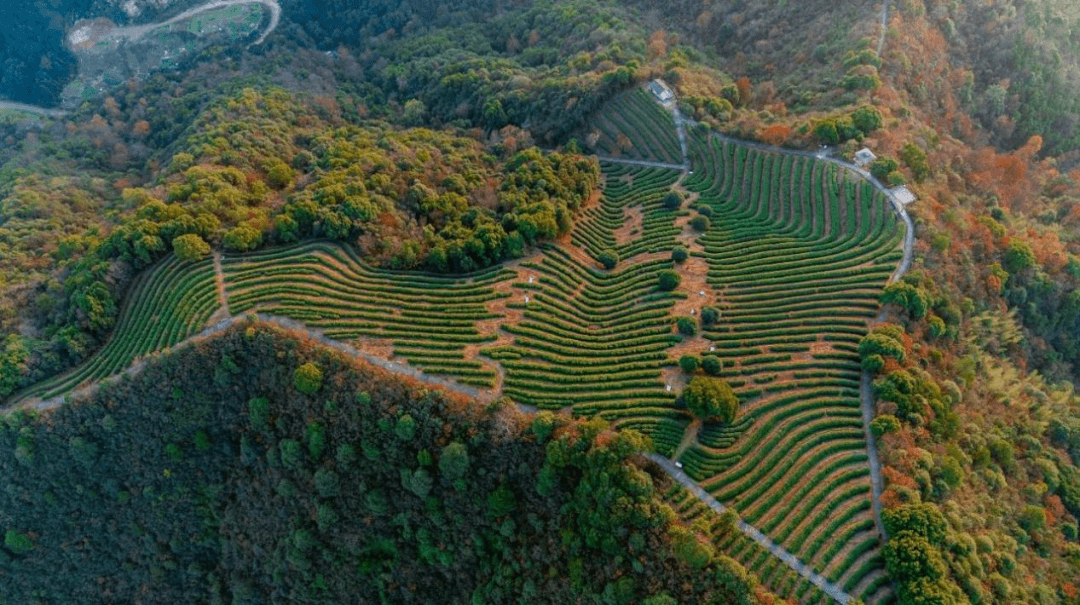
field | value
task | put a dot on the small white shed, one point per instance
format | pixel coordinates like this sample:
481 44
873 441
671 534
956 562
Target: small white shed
863 157
661 91
903 194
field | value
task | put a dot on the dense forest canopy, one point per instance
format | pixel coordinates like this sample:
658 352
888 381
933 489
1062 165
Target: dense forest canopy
298 474
35 65
1015 63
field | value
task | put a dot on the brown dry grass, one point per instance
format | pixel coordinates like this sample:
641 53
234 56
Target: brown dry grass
380 347
694 273
634 220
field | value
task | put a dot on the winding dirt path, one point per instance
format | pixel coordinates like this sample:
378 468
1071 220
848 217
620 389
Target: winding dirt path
222 296
135 32
884 26
34 109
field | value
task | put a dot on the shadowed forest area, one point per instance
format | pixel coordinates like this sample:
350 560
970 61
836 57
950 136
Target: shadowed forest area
297 474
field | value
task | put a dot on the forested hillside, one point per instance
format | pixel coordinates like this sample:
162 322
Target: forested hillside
34 63
297 474
1010 66
445 137
258 169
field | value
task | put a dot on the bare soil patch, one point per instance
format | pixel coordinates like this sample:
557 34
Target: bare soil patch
500 306
220 314
633 221
675 378
379 347
85 34
694 272
594 199
691 196
690 345
222 295
688 236
580 255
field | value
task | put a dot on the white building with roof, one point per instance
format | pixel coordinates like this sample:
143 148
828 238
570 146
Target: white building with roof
903 194
863 157
661 91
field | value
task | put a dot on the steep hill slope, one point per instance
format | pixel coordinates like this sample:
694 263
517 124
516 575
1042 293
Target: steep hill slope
296 473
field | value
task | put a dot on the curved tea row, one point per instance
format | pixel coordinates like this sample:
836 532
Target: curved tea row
772 572
796 255
633 126
629 190
166 304
593 341
428 319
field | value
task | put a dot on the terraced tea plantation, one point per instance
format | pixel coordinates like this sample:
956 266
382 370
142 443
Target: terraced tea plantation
592 341
780 578
795 258
629 191
634 126
427 320
798 256
167 303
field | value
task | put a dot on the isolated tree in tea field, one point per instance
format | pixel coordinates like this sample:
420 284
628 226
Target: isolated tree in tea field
712 365
711 398
709 316
672 201
689 363
608 258
668 280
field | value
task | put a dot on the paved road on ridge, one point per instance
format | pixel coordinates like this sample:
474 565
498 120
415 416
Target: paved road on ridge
135 32
43 111
752 532
884 26
484 397
288 324
684 148
866 399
